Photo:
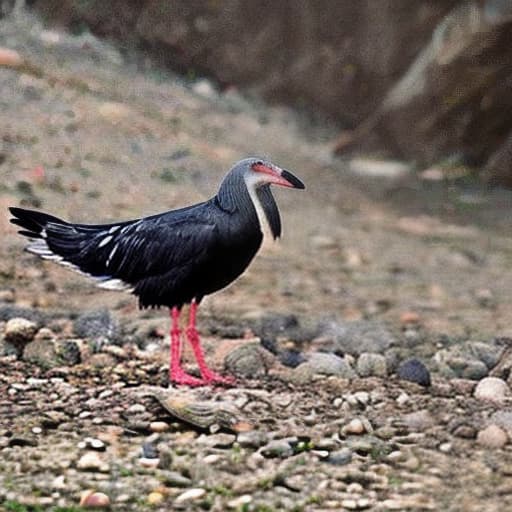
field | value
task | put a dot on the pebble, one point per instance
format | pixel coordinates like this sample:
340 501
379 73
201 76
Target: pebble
465 431
396 456
155 498
174 479
10 58
419 420
248 360
240 502
503 419
446 447
91 461
492 436
219 440
278 448
190 494
136 409
485 352
369 365
359 336
213 458
363 397
151 463
158 426
252 439
329 364
491 389
340 457
414 370
92 444
93 499
355 426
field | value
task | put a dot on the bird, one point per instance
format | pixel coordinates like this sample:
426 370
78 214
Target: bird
175 258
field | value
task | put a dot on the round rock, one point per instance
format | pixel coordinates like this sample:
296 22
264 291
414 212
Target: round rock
247 361
370 364
414 370
492 436
492 389
330 364
340 457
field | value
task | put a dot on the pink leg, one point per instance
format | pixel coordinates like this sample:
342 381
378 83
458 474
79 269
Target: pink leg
176 372
209 376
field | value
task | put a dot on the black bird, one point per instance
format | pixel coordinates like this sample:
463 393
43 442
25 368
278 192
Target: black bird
173 258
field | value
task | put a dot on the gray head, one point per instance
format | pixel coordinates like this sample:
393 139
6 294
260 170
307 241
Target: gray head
247 187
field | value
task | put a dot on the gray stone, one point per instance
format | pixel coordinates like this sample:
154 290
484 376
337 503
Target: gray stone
98 327
249 360
174 479
340 457
49 353
487 353
358 337
372 365
220 440
278 448
252 438
329 364
418 421
457 362
503 419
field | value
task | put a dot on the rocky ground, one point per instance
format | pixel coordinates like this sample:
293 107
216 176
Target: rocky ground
372 345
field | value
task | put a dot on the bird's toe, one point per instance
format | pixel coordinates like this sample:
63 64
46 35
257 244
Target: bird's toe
185 379
211 377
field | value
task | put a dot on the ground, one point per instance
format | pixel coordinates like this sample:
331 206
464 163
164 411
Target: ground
91 133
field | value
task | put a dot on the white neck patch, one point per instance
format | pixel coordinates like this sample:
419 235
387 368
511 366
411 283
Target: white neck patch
252 181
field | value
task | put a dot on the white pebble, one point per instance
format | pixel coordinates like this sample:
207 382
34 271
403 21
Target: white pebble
355 426
445 447
191 494
240 501
402 399
136 409
491 389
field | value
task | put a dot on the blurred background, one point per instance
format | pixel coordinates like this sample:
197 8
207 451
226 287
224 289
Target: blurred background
428 82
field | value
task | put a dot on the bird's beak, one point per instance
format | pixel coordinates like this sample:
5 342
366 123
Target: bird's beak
277 176
292 180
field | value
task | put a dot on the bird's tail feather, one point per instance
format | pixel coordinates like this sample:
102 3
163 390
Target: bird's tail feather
33 222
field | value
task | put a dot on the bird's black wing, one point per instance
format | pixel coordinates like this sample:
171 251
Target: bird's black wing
120 256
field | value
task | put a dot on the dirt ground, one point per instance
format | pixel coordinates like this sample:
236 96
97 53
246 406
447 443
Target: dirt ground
93 133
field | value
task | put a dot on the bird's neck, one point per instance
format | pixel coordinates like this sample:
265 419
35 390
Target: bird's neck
256 204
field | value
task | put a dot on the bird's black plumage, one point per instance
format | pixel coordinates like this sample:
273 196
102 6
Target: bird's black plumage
171 258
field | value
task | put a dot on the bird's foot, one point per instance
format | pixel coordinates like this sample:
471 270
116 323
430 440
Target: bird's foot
181 377
211 377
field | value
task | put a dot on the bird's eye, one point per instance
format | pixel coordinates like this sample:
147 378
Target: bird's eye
257 166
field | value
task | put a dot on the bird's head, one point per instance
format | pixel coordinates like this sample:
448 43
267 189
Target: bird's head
247 186
257 172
